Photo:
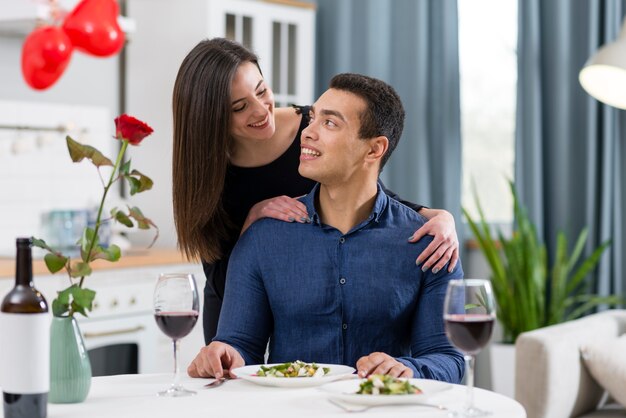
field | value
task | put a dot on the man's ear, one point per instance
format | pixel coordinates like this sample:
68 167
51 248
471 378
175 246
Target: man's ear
378 147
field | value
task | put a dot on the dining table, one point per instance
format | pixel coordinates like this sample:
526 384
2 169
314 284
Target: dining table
136 396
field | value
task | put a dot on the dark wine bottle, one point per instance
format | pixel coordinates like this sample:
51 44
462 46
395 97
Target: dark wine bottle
25 348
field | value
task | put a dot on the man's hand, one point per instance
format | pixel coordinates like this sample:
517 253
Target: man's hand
215 359
381 363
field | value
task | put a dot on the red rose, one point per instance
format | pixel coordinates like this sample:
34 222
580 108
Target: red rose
128 128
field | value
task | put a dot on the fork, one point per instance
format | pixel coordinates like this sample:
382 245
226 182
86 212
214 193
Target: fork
216 383
348 407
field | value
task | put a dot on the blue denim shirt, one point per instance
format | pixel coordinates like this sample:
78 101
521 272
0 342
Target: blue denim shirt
329 297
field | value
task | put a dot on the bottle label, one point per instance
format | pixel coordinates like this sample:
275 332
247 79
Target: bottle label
25 352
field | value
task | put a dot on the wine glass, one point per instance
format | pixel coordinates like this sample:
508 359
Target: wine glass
469 315
176 308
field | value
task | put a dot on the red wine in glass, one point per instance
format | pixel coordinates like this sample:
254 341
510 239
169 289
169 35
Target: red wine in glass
176 325
469 332
176 307
469 315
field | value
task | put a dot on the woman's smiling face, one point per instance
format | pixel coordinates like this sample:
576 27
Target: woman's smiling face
252 104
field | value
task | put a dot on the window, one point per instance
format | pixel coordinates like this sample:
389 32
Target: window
488 67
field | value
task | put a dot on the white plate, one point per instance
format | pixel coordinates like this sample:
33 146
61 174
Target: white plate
346 391
337 371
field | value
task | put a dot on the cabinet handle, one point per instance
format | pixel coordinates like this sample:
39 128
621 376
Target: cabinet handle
114 332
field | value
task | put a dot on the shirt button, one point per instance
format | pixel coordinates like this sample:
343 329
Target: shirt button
342 280
342 240
344 326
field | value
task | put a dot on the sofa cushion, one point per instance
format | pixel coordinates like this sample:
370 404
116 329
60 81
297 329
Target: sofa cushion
606 362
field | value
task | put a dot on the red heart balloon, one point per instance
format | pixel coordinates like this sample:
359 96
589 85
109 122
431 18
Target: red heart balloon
45 54
92 26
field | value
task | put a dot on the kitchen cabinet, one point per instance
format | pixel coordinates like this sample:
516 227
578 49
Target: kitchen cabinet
283 36
123 311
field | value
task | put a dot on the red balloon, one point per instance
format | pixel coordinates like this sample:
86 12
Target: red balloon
45 54
92 26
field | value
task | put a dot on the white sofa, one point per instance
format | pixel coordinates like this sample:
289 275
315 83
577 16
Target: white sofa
551 380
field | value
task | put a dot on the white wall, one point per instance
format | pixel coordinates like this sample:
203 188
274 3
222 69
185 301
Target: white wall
36 172
166 32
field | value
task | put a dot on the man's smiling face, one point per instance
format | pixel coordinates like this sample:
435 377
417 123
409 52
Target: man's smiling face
331 149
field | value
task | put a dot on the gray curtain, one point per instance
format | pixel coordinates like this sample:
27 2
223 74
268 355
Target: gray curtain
569 158
413 45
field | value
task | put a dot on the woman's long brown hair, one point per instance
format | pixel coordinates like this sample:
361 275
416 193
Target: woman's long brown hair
201 106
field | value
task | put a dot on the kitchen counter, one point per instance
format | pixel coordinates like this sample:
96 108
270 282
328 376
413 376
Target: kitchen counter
132 258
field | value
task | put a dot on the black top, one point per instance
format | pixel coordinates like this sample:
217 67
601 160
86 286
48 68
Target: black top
244 187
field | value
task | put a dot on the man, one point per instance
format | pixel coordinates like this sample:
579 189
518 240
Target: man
343 289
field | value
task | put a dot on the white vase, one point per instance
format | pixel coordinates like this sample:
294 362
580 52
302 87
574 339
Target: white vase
502 361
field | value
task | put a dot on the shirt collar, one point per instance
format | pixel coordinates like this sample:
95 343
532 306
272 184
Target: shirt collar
380 204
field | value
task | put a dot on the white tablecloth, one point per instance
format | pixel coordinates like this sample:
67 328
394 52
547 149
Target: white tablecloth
135 396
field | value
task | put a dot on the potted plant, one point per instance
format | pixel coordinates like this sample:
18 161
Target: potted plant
529 293
70 372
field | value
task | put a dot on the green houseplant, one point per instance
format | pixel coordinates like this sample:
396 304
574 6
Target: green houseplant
530 294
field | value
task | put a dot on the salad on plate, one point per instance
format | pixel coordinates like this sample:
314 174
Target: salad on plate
296 368
378 384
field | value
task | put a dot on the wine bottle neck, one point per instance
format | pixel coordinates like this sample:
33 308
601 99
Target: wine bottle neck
24 267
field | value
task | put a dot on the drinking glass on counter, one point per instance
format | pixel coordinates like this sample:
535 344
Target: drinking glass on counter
469 315
176 309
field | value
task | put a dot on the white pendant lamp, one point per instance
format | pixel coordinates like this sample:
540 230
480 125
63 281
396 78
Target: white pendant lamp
604 74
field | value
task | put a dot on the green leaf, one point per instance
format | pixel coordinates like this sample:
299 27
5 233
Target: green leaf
78 152
54 262
61 304
58 309
88 241
78 308
80 269
83 299
143 222
39 243
134 184
594 301
122 218
144 182
586 266
136 213
112 253
73 299
125 168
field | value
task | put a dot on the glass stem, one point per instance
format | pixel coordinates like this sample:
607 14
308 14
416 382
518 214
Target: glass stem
176 368
469 382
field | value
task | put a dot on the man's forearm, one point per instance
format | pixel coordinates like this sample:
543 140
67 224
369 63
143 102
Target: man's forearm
245 326
447 365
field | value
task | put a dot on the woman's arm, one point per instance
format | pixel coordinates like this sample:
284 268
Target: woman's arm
283 208
445 245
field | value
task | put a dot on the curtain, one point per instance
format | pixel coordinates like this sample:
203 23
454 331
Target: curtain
569 158
412 45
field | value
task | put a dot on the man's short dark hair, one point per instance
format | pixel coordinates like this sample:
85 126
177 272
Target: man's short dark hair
384 113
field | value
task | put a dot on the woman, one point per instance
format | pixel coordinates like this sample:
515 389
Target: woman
236 160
